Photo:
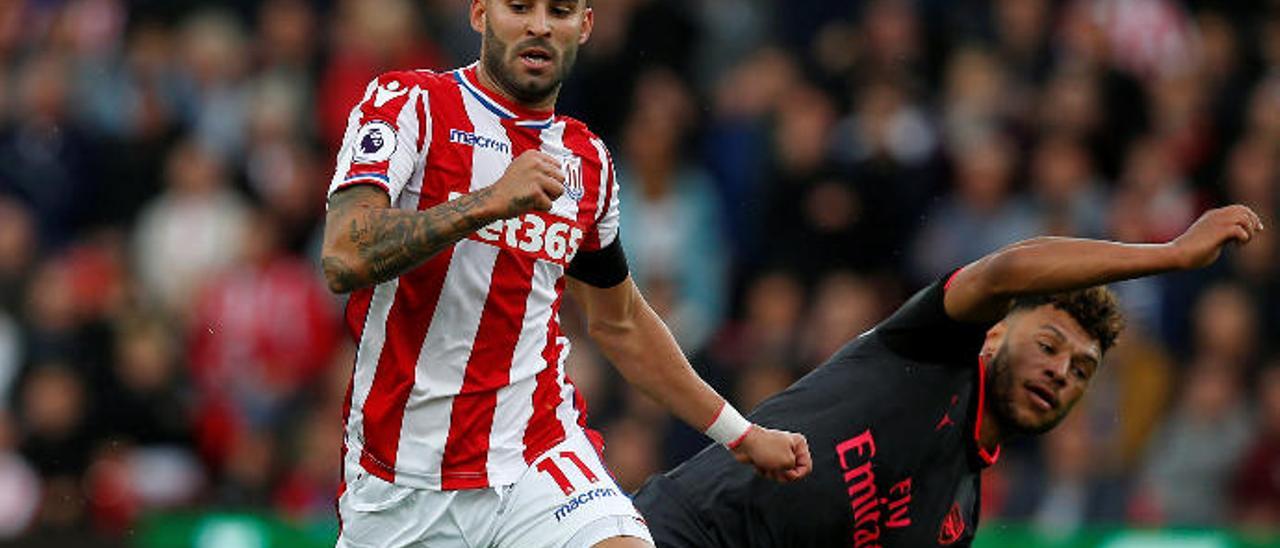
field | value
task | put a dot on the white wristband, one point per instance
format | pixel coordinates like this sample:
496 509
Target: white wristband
729 427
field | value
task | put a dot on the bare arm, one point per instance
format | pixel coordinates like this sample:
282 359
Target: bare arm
983 289
636 340
367 242
639 344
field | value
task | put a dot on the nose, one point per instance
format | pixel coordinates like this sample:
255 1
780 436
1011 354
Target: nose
539 21
1056 370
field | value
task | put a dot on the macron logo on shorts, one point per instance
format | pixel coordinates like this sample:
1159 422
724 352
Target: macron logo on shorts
480 141
582 500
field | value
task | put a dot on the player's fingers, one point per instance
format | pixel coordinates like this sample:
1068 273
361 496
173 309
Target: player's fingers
538 156
551 170
1240 233
554 188
789 473
1257 220
548 162
1247 217
542 203
804 461
1250 218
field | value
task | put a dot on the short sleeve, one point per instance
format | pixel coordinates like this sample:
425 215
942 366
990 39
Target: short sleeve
384 135
605 230
922 330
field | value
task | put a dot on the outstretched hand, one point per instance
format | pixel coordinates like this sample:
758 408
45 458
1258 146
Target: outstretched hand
1202 242
780 456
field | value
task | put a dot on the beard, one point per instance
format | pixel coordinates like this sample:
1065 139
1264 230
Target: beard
1003 385
495 59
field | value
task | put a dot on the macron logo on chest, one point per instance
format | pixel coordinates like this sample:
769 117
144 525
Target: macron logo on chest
475 140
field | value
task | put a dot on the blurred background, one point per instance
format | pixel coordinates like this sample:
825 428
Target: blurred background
172 366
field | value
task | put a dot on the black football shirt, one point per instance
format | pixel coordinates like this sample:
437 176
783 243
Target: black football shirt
891 421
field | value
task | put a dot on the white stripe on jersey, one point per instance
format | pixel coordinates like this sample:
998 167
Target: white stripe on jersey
367 354
606 176
606 226
488 163
404 165
414 188
567 411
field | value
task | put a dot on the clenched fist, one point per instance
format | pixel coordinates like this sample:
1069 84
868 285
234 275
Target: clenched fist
532 182
780 456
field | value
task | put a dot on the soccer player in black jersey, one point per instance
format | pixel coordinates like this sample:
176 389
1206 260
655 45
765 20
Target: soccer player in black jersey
902 420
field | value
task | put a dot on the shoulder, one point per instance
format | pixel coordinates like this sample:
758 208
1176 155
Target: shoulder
423 79
578 128
585 143
921 329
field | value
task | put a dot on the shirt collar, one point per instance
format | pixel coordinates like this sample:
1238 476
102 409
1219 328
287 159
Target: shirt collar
985 458
468 77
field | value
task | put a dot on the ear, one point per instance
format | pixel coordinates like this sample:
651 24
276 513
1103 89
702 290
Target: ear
478 8
995 338
588 23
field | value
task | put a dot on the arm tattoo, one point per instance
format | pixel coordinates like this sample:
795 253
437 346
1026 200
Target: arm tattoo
390 242
340 276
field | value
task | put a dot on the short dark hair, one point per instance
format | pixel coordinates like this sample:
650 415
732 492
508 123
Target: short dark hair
1095 308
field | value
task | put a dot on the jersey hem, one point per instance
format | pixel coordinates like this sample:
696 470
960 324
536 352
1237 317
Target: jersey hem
358 455
370 180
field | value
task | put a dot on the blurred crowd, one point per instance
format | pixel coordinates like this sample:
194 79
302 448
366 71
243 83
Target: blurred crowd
791 172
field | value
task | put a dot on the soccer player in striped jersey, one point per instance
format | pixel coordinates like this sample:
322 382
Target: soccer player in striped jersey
461 210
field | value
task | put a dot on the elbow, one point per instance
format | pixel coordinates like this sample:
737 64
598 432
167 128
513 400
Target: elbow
611 336
601 332
339 274
1008 272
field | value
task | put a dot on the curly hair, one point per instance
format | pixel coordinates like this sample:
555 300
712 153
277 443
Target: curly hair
1095 308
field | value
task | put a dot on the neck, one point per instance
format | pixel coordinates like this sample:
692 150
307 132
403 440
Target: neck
488 81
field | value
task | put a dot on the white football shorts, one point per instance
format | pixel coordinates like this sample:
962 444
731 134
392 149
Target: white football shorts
565 499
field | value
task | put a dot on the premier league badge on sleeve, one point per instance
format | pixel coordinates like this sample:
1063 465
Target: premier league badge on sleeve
375 142
572 167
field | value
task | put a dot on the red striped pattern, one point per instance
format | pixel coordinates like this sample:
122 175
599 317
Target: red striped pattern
411 312
544 430
466 450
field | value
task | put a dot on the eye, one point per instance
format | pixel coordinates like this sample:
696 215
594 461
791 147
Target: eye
1080 373
562 11
1046 348
519 7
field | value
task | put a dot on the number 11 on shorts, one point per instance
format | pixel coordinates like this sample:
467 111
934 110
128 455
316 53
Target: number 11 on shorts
549 466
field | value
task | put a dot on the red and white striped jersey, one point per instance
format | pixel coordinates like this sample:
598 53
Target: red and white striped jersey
459 379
